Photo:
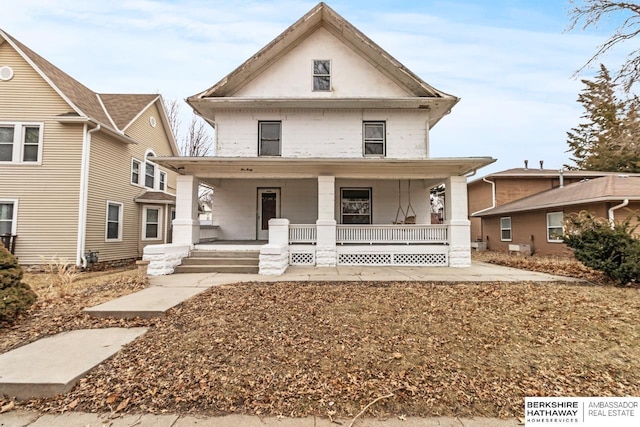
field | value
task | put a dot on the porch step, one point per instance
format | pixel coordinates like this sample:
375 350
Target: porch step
236 269
202 261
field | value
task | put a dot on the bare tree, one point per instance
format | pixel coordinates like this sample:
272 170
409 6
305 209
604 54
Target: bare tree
173 113
588 13
197 142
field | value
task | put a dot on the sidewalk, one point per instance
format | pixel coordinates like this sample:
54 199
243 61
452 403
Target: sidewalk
78 419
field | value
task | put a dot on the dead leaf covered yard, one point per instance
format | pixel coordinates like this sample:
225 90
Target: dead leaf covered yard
330 349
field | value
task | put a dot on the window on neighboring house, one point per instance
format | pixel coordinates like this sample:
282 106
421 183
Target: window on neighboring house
356 205
135 171
321 75
20 142
8 213
163 181
374 138
114 221
505 229
269 135
149 172
152 228
554 226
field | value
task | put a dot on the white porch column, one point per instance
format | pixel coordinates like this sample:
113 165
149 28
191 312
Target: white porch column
458 221
186 226
326 255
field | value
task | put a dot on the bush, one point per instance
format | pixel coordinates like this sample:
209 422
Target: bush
15 296
596 244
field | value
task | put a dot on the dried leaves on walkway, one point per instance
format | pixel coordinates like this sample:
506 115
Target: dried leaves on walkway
331 349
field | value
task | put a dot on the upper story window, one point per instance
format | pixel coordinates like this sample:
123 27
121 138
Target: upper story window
135 171
505 229
269 138
149 172
20 142
321 75
162 185
554 227
374 138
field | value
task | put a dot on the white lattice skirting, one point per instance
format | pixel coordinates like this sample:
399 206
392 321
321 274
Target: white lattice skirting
434 259
302 258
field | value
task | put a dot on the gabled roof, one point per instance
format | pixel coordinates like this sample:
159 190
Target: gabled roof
325 17
603 189
112 111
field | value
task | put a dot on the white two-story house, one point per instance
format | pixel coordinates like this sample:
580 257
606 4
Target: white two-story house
322 155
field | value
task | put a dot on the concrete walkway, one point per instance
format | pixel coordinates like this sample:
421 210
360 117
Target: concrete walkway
54 364
79 419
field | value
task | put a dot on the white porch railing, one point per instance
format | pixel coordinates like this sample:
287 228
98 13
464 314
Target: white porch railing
391 233
302 233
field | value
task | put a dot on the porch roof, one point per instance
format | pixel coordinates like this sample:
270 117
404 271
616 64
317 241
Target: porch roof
434 169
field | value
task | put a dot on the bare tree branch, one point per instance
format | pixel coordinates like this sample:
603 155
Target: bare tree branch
197 142
173 114
589 13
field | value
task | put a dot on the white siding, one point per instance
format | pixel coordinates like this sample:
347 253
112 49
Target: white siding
323 133
235 203
351 75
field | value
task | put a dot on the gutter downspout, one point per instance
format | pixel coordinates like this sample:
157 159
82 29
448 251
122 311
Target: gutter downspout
84 194
493 196
624 203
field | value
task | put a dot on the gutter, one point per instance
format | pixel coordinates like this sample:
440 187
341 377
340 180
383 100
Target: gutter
624 203
84 194
493 197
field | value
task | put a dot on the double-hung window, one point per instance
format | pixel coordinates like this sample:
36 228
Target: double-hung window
162 184
20 142
505 229
114 221
270 138
8 213
322 75
554 227
152 227
135 171
374 138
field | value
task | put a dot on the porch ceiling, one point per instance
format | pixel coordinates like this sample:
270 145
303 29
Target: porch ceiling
296 168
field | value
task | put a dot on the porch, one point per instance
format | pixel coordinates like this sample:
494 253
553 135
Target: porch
328 212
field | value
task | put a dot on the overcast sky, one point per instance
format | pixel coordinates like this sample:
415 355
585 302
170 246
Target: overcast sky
510 61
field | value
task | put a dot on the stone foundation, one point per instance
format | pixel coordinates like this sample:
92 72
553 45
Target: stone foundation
274 259
163 259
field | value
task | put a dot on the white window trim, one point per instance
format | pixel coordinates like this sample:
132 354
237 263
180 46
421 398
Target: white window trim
144 223
260 122
313 75
18 142
162 181
140 171
14 220
510 229
120 222
548 227
384 138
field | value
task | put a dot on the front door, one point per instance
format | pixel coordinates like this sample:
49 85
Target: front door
268 207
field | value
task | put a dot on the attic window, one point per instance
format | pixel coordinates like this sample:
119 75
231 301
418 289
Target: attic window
321 75
152 121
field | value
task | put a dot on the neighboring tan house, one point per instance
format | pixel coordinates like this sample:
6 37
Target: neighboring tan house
537 220
503 187
322 150
78 177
